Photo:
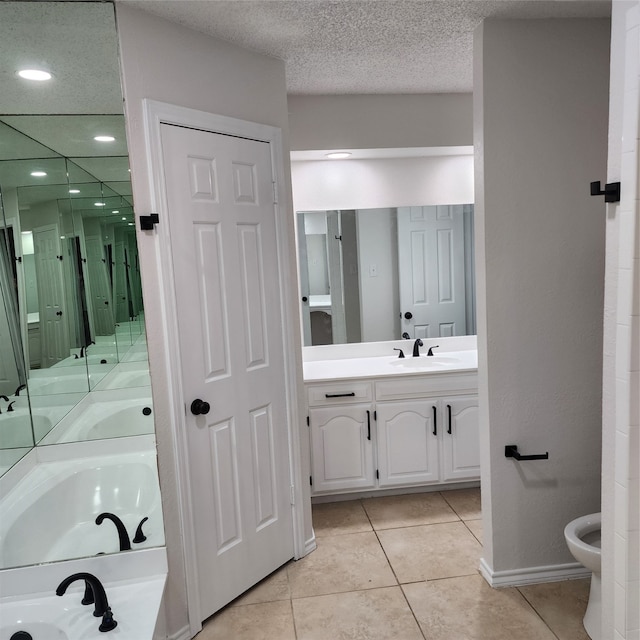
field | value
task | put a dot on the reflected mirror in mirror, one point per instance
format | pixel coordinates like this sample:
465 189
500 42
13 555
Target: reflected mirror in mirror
371 275
79 370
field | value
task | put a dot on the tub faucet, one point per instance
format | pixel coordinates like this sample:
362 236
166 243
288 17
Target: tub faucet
125 543
416 347
95 594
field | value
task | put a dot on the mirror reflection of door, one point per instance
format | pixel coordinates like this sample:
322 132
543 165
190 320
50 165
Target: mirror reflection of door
98 286
54 332
431 269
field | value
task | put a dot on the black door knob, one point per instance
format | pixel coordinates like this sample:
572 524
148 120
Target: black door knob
58 313
408 315
106 302
200 407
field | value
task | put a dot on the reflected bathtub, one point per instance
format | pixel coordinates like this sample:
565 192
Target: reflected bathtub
50 514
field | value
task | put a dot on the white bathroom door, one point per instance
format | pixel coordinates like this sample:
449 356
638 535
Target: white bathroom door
223 243
431 265
54 330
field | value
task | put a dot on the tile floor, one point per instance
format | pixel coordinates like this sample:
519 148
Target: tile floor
399 568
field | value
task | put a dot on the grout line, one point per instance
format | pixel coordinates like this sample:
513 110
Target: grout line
537 613
404 595
471 532
293 617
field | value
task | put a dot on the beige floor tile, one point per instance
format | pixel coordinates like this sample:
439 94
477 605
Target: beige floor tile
392 512
476 528
341 563
376 614
465 502
469 609
431 552
561 605
273 588
340 517
266 621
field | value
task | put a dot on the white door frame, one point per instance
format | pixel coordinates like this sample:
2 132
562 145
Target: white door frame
155 114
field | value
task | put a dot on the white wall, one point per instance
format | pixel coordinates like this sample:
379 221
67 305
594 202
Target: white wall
540 137
380 121
379 306
388 182
166 62
621 385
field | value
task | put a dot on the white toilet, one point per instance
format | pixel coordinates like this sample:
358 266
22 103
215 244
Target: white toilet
583 539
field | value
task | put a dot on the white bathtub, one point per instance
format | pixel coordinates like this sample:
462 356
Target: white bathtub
50 513
106 414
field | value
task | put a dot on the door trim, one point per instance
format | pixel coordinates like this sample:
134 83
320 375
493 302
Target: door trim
155 114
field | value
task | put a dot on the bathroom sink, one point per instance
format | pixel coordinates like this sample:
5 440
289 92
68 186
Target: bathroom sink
422 362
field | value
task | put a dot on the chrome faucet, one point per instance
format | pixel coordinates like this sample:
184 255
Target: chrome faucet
416 347
125 543
95 594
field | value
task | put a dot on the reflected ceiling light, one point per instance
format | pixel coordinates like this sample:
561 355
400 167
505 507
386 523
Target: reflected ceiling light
104 138
74 190
115 211
100 204
38 174
124 217
34 74
338 155
130 224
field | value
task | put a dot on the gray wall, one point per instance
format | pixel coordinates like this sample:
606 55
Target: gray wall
380 121
540 135
164 61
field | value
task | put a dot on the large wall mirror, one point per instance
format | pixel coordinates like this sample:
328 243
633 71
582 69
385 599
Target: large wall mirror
74 364
381 274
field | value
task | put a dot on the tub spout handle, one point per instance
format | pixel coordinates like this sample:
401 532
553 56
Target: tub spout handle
125 543
140 537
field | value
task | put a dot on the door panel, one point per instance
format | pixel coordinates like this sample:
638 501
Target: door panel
461 439
407 443
223 240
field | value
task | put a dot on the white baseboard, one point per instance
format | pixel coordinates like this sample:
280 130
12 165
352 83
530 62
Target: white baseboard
532 575
309 546
183 634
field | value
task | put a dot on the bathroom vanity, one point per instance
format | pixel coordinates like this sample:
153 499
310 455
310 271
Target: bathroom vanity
380 422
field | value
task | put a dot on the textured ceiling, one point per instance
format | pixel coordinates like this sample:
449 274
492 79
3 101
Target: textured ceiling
363 46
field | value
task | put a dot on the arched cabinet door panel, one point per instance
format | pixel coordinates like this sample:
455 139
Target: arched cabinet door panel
341 447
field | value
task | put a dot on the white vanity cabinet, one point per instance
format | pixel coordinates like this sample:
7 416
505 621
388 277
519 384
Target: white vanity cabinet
396 432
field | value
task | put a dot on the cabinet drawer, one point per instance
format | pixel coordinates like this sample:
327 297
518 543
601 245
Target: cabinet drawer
339 393
425 386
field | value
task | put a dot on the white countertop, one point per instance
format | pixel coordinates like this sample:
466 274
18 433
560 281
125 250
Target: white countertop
390 366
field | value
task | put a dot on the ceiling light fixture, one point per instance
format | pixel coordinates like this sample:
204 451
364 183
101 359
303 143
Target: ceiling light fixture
74 190
35 74
338 155
38 174
99 204
115 211
104 138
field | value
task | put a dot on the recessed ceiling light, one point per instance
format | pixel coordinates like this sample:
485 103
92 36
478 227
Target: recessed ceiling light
104 138
124 217
38 174
100 204
74 190
115 211
130 224
34 74
338 155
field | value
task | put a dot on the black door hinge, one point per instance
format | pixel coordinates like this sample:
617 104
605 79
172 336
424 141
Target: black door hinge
311 480
308 422
377 474
147 222
375 415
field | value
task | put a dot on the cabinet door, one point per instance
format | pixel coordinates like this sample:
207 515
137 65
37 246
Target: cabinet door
460 438
341 448
408 442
